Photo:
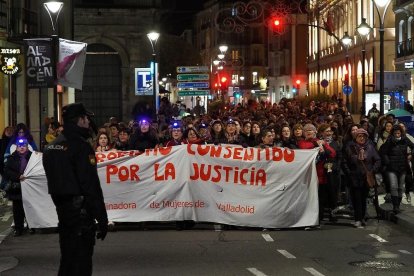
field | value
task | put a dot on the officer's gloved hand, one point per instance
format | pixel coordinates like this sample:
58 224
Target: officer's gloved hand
102 230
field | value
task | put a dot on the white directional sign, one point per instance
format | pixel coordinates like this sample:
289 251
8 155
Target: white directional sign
192 69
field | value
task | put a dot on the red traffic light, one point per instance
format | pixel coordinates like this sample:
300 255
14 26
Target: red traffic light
297 82
223 79
276 22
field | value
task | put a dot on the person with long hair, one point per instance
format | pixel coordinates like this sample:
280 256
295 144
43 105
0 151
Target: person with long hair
395 154
255 136
102 143
143 137
297 133
286 140
218 135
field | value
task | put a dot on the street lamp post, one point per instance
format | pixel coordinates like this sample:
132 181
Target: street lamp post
381 6
53 8
153 38
346 42
363 30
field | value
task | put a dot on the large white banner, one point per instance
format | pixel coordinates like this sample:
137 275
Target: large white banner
230 185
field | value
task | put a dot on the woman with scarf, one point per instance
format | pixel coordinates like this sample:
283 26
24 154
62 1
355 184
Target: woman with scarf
360 157
14 168
395 154
325 152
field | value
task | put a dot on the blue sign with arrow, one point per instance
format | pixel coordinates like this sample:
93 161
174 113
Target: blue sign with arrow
347 90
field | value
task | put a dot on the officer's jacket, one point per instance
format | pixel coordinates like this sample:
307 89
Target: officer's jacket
70 166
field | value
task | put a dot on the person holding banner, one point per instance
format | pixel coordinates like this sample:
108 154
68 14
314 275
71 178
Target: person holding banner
14 168
325 152
73 183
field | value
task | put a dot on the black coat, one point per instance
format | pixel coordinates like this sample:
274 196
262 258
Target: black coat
142 141
70 166
354 167
394 154
12 174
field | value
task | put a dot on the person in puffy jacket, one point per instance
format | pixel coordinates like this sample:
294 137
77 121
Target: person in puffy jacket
396 154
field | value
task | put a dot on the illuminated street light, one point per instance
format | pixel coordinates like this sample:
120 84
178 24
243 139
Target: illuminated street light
346 42
53 8
381 6
153 38
363 30
223 48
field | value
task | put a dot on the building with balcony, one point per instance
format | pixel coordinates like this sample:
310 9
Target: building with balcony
404 40
245 61
327 56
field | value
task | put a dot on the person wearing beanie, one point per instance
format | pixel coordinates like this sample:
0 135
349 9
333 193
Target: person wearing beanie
395 154
14 168
360 157
325 152
73 183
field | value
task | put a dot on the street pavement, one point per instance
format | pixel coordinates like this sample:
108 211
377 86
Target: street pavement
384 247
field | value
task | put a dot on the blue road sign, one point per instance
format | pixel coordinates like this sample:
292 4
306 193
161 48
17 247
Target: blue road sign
201 84
143 82
347 90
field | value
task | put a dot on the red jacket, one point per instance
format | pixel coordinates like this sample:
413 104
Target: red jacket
329 153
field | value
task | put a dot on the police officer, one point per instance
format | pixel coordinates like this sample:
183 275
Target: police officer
73 183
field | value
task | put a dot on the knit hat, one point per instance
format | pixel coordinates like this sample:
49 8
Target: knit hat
361 131
309 127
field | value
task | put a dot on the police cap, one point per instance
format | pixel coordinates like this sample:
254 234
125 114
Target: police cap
75 110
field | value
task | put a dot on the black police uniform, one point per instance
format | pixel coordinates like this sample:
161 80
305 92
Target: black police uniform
70 166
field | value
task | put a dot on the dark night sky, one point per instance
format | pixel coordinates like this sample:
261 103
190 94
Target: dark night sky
181 18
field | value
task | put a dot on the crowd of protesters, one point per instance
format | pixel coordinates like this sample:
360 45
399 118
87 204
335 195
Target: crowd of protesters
349 150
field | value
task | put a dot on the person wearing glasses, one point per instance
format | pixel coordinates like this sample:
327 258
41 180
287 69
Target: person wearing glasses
176 135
